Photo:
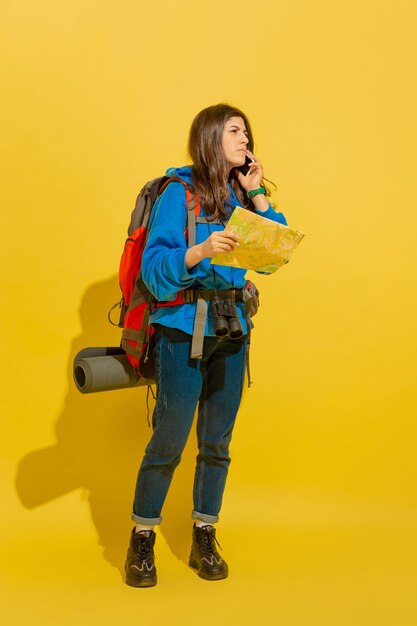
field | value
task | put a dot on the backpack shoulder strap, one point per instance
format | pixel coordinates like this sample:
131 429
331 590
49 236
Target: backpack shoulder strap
193 210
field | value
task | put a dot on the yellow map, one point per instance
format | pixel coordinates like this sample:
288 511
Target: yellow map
265 245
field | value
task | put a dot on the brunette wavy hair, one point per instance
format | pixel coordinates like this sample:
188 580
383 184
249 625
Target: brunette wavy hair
209 171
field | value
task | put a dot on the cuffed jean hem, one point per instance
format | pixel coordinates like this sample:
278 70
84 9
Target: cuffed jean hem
146 521
210 519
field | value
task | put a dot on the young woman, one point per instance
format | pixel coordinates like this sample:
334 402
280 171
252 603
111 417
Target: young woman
220 140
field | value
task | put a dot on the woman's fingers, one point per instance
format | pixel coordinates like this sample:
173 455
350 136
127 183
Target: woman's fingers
252 156
226 246
227 234
254 177
221 241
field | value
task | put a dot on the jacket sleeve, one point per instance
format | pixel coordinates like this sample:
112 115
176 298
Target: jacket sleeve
271 214
163 262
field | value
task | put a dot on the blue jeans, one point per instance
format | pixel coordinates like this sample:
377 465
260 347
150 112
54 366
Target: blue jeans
215 382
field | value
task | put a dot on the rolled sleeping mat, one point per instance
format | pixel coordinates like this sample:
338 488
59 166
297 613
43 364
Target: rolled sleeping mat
104 369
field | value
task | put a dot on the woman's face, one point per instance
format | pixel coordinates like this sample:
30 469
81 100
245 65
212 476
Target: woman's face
234 141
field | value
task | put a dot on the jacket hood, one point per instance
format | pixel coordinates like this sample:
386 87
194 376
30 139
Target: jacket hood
181 172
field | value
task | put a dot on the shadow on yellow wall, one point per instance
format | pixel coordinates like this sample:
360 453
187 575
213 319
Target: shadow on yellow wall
100 441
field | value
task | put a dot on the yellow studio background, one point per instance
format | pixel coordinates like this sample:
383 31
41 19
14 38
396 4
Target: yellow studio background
320 512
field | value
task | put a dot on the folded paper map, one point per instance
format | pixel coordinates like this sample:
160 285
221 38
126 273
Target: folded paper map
265 245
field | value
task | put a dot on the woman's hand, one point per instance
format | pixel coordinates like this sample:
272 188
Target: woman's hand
219 241
253 179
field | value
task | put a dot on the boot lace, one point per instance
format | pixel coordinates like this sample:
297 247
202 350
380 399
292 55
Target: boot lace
208 541
145 552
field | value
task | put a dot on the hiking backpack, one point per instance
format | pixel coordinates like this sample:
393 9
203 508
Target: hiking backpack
137 301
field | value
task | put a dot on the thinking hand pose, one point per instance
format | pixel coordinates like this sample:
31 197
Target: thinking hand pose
220 140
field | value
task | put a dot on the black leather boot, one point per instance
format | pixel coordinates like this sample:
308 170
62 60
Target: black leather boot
204 556
140 561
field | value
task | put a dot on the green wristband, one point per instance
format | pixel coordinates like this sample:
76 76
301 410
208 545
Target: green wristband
256 192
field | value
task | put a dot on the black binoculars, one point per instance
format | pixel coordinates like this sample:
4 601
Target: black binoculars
225 318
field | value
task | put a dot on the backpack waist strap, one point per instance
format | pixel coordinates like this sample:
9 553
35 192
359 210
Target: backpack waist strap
188 296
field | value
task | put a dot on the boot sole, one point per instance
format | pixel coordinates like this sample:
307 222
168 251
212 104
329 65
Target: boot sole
133 582
194 564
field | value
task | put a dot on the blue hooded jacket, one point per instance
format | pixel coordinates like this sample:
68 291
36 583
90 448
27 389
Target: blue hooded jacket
163 262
